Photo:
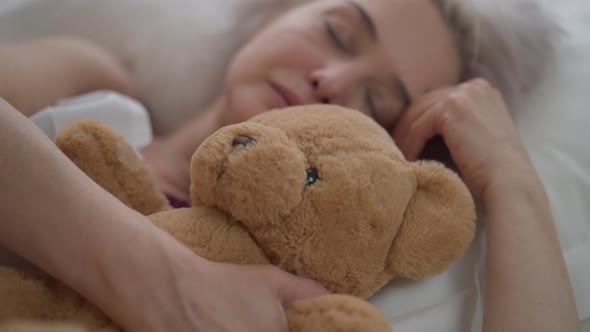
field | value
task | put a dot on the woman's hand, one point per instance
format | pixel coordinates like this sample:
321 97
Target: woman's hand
190 293
171 173
477 128
248 298
473 120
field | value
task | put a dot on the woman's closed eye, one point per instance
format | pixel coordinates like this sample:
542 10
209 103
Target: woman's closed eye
339 34
342 39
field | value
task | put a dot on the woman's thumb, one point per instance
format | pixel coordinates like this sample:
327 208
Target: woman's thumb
291 288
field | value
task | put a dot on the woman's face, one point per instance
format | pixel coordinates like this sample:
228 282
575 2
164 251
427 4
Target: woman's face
370 55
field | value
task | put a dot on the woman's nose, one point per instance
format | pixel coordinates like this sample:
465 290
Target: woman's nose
329 86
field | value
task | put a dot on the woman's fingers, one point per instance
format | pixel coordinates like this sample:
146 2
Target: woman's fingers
420 123
477 129
421 131
254 296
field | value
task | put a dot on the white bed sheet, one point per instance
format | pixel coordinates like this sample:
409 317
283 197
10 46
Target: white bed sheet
555 126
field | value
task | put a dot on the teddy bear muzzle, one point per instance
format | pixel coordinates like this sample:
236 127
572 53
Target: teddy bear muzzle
262 182
252 172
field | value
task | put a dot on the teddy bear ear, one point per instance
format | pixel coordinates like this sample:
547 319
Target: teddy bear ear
438 224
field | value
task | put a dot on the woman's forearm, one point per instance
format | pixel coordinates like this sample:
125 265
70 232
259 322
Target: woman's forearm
37 73
54 216
523 258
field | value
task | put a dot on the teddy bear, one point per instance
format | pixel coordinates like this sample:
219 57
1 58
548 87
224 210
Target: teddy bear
320 191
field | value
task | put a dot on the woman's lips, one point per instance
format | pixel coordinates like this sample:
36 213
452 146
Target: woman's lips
284 96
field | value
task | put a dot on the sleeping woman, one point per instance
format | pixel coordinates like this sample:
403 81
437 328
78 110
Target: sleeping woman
419 68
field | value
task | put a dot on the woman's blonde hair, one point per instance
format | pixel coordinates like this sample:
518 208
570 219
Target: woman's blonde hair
510 43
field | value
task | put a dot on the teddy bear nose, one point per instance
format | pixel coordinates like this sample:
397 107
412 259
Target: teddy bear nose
242 140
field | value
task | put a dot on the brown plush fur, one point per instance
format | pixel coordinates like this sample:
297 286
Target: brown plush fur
103 165
371 215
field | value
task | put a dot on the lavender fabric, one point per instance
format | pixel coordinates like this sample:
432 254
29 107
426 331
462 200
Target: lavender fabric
177 203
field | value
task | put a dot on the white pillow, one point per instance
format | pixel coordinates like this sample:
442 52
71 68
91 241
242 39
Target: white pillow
176 50
556 128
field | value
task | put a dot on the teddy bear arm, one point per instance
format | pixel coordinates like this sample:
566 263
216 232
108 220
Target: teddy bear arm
335 313
34 296
38 326
210 234
108 159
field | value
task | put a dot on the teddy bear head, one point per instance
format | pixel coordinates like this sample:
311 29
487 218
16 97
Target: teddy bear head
326 194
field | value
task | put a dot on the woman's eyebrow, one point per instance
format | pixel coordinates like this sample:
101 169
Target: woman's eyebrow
368 22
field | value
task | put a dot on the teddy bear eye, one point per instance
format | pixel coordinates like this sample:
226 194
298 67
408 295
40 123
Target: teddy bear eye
312 176
242 141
